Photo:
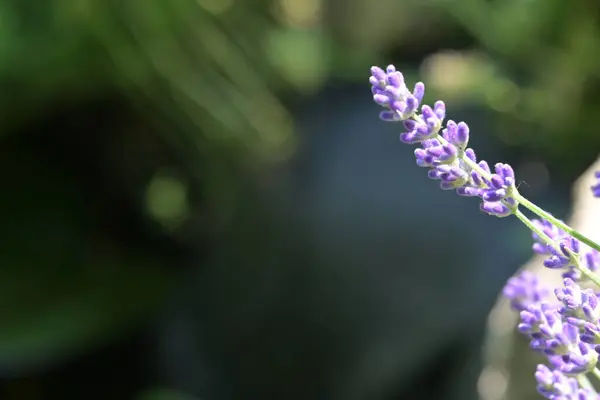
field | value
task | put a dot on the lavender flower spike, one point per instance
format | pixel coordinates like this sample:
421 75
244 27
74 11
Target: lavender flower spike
443 149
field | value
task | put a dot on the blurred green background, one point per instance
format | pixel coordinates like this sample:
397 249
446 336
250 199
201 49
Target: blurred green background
130 131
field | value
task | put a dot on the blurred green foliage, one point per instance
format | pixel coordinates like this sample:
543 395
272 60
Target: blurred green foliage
63 285
545 80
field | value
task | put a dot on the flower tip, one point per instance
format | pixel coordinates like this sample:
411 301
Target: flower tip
377 73
419 91
439 104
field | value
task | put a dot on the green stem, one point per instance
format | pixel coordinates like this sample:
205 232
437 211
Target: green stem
584 382
596 372
556 222
529 224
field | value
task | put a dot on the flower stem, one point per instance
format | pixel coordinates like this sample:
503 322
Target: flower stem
584 382
596 373
556 222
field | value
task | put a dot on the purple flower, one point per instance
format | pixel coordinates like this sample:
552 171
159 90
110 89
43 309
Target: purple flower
554 233
581 359
591 335
427 126
557 338
451 176
524 289
456 134
390 91
477 182
433 153
577 303
567 252
500 185
556 385
443 149
495 191
596 188
590 259
538 318
560 338
499 208
563 256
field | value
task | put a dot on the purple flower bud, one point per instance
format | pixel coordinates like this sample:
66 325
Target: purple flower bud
558 386
496 208
566 255
581 359
457 134
500 185
549 230
468 191
378 74
525 289
419 91
484 165
462 133
395 80
389 116
591 260
496 182
477 178
390 91
596 188
434 154
409 124
506 172
418 131
560 342
381 99
493 195
590 334
439 109
557 260
411 105
470 153
577 303
452 176
552 335
555 384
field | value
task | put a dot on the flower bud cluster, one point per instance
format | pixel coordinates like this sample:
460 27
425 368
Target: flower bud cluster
569 254
443 149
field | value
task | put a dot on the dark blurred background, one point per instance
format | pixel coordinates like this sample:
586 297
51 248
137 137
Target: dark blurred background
199 202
